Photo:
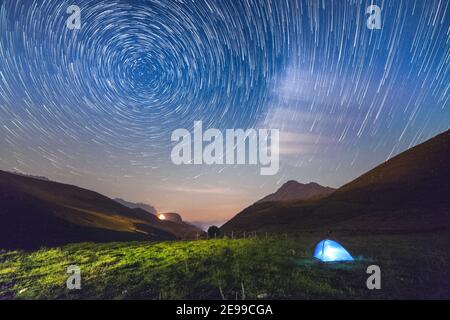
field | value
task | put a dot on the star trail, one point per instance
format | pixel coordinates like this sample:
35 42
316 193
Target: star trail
96 106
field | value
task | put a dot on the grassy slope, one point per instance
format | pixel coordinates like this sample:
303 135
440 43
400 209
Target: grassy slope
413 266
36 213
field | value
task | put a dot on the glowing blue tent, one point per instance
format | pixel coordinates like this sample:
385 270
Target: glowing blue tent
329 250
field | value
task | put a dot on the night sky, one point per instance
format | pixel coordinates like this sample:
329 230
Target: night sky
96 107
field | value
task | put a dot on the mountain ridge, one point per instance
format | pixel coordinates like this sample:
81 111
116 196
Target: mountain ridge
135 205
407 193
36 212
294 190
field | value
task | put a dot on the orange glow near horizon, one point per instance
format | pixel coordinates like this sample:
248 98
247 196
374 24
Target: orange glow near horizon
162 217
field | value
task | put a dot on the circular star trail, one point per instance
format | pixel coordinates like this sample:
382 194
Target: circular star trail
104 99
134 71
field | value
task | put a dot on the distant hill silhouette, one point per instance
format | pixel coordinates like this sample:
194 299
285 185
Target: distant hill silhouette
204 225
293 190
187 230
134 205
171 216
408 193
29 175
172 223
36 212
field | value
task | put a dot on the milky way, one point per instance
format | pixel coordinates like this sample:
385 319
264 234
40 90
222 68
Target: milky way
97 105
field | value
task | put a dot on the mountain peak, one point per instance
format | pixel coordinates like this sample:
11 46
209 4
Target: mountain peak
294 190
171 216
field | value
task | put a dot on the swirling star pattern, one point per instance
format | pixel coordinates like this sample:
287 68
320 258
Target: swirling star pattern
96 106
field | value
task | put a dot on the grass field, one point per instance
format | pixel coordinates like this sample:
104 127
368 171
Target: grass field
412 266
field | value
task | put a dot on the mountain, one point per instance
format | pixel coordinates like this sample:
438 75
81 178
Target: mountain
171 222
408 193
136 205
171 216
293 190
36 212
185 229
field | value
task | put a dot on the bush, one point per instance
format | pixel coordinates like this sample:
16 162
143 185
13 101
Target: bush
213 232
